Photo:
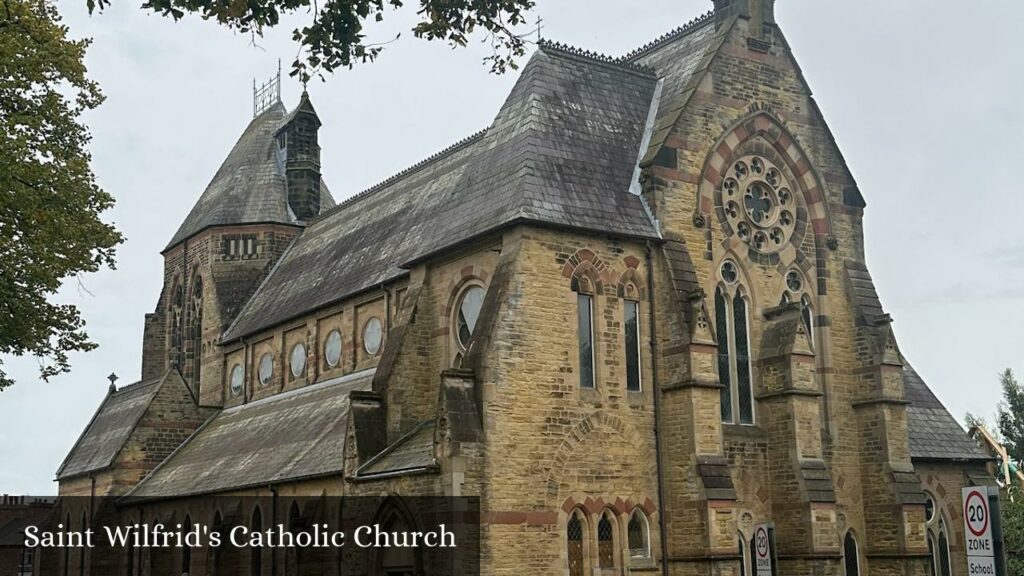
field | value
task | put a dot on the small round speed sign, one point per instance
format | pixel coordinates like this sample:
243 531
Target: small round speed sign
976 513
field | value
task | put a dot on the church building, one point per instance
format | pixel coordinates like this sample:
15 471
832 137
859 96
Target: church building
633 316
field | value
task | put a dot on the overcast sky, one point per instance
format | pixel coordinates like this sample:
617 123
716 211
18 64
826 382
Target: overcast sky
922 95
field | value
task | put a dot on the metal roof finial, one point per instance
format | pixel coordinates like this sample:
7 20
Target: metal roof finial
267 94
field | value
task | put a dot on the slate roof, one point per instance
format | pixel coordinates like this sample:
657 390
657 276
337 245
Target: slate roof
412 453
934 433
249 187
562 151
289 436
109 428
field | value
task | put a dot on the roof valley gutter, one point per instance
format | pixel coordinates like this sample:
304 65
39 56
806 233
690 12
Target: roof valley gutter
657 409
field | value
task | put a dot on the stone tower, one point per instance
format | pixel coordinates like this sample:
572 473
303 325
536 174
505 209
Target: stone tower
263 194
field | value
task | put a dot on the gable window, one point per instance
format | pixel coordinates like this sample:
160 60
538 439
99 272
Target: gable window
638 535
632 328
574 532
732 326
585 334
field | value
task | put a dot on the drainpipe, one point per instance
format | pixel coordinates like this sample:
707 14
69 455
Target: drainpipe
657 410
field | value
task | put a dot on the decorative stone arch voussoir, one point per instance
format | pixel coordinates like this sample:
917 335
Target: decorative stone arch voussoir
631 285
585 266
576 438
763 133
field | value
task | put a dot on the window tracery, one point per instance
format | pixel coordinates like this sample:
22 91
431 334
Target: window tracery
732 327
759 204
196 330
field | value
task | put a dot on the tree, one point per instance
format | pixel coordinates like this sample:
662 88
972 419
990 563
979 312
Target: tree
336 36
1010 415
1012 515
50 205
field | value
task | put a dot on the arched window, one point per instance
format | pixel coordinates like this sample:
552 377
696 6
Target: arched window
585 334
471 302
639 535
944 566
741 344
256 552
808 316
606 542
186 551
195 353
574 536
938 539
177 310
724 361
851 557
732 326
631 324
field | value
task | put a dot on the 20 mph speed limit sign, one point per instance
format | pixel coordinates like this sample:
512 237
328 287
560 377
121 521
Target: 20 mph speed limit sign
978 531
762 551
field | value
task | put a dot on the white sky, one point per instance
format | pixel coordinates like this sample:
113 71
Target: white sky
922 95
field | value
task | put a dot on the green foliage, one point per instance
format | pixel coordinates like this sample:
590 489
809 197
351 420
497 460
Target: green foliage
1010 415
336 37
50 205
1012 509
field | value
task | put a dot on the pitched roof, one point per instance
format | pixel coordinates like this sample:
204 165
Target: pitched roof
562 151
249 187
297 434
934 433
109 428
680 59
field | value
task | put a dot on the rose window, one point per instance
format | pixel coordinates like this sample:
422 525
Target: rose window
759 204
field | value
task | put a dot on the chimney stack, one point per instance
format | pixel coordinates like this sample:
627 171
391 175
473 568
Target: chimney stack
299 149
760 13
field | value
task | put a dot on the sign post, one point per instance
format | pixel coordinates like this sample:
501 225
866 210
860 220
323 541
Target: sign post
978 532
762 551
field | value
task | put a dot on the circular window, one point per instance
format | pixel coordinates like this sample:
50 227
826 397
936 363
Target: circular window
929 509
298 359
332 348
729 273
373 335
794 281
266 370
237 377
758 204
469 311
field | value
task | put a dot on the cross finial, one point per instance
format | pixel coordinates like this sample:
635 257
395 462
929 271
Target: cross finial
113 382
540 27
